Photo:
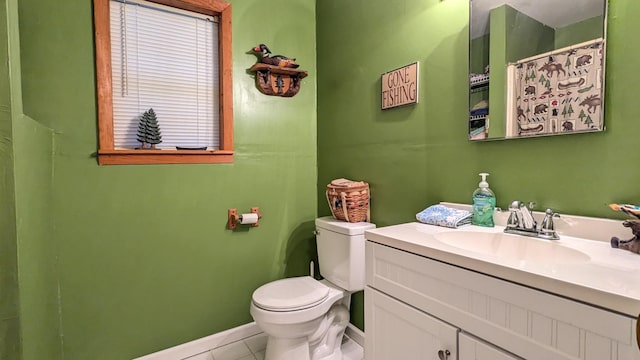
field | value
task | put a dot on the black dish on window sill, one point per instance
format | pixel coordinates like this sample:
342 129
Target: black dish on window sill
191 148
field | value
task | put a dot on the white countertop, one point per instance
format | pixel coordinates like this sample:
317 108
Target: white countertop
609 279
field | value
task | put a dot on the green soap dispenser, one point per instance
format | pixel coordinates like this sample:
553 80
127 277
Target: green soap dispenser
484 203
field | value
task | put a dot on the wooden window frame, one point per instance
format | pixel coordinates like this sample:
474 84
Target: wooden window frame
107 153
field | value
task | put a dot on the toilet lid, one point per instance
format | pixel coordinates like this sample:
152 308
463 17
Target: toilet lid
290 294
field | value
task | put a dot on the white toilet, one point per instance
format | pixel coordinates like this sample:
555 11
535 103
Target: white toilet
305 318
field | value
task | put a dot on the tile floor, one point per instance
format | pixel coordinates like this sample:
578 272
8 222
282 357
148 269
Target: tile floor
253 348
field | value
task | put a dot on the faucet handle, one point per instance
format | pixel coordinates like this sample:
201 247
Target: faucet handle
526 216
531 205
547 222
513 221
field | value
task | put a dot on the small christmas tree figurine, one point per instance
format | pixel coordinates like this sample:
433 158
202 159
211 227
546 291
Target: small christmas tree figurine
148 130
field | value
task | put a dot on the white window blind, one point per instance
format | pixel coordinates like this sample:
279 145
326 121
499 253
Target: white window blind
166 59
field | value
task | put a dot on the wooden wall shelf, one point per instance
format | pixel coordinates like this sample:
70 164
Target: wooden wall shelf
278 81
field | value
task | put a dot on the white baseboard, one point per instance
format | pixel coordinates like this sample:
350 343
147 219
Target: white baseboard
207 343
355 334
226 337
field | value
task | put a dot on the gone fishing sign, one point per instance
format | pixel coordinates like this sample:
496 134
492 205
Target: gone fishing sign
400 86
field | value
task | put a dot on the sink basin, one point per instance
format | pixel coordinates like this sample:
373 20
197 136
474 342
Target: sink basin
513 247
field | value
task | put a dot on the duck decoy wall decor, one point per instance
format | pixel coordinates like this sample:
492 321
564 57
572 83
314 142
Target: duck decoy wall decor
276 75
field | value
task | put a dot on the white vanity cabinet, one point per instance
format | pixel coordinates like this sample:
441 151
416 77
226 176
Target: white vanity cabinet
416 306
399 331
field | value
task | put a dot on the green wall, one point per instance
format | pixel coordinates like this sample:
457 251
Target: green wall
418 155
525 36
141 259
514 36
499 25
579 32
37 253
9 294
39 332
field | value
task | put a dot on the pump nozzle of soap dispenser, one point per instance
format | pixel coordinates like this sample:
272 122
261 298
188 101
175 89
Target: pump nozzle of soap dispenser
483 184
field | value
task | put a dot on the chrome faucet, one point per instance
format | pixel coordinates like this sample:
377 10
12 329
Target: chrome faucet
522 222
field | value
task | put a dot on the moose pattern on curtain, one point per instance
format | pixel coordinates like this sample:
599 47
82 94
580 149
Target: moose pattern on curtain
561 92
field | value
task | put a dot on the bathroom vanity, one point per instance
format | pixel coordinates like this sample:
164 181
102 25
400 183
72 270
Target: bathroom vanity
477 293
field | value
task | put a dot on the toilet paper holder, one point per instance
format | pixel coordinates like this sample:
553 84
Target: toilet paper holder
234 219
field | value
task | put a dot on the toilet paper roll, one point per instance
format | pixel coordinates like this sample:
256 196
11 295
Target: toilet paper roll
248 218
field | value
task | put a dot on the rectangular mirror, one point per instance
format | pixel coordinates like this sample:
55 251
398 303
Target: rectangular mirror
536 68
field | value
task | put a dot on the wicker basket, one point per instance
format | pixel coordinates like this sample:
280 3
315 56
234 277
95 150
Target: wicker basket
349 203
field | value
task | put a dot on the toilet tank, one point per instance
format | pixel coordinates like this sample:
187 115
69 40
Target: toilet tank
341 252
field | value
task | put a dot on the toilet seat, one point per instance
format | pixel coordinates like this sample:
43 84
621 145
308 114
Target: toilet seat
290 294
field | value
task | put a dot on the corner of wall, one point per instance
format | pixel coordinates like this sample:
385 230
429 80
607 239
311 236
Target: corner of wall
37 320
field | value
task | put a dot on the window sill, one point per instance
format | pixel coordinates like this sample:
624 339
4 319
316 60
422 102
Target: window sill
140 157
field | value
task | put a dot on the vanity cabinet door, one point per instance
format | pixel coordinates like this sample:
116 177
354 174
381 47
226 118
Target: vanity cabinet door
474 349
396 330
